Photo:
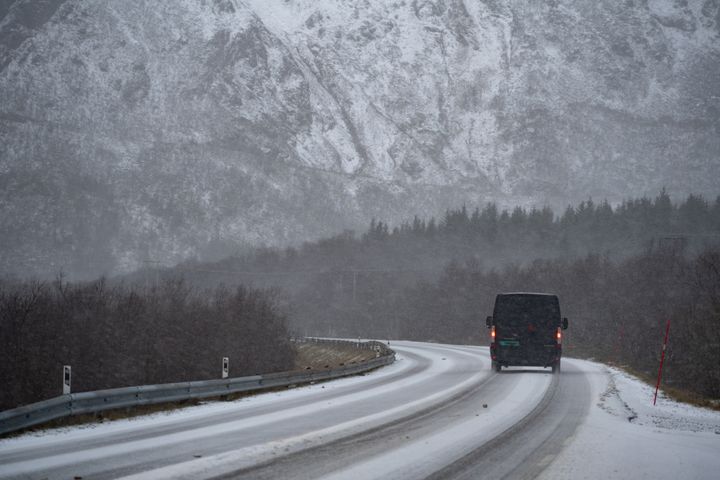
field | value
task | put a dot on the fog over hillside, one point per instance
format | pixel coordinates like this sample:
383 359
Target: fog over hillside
166 129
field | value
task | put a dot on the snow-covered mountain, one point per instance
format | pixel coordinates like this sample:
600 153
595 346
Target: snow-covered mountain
163 129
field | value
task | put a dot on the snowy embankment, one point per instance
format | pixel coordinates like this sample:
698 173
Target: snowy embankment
625 436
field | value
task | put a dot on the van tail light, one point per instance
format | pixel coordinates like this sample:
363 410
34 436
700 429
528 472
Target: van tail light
558 336
492 333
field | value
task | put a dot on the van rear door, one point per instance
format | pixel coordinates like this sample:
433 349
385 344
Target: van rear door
526 327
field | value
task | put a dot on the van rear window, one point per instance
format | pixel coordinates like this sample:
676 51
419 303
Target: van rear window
517 310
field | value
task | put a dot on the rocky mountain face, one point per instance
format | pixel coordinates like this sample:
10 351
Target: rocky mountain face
164 129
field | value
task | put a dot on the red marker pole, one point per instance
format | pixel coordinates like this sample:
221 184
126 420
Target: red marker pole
662 360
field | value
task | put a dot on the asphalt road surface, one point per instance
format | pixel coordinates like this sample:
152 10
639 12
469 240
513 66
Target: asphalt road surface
438 412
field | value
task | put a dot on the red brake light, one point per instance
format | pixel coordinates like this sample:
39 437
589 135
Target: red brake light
558 335
492 333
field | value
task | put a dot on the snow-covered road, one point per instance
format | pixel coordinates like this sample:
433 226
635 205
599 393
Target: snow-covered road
438 412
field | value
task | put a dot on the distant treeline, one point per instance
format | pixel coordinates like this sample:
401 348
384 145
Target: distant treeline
115 336
585 227
326 279
494 237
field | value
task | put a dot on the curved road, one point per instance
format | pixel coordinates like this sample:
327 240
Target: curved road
438 412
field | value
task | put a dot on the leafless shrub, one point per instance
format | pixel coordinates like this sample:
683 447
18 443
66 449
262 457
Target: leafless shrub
119 336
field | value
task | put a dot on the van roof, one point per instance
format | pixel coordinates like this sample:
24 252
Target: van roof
529 293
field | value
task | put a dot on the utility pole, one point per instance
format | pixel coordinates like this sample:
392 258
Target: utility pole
673 243
156 264
354 284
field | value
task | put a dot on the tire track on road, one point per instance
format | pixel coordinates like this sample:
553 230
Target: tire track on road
529 447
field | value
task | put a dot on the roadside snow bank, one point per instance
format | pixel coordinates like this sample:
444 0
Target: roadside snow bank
625 436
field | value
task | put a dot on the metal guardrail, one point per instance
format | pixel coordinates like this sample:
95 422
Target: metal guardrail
101 400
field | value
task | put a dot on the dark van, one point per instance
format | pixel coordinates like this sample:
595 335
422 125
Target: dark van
526 330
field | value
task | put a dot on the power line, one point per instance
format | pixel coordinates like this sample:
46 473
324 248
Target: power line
310 272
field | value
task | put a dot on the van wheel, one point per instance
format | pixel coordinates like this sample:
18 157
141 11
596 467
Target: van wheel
496 366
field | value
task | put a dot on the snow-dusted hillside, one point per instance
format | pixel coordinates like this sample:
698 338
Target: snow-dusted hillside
165 129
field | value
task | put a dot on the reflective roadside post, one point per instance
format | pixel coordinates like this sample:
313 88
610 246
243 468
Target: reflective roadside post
67 378
662 360
225 367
